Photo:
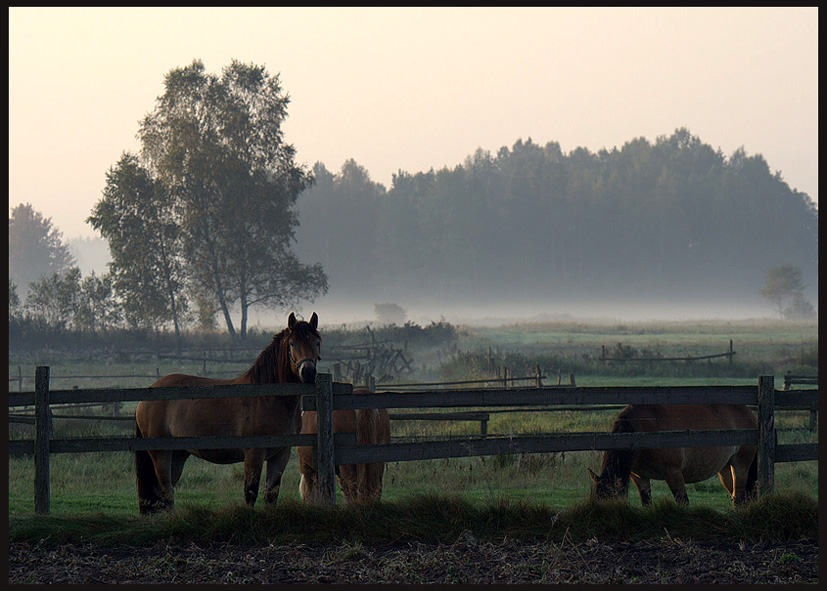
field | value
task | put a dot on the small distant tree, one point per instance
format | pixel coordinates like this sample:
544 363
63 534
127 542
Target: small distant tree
799 308
97 309
53 300
390 313
14 301
784 285
36 247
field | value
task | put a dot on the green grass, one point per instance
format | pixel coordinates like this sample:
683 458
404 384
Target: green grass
776 518
100 488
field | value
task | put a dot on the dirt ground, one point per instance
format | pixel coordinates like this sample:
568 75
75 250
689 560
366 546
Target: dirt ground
465 561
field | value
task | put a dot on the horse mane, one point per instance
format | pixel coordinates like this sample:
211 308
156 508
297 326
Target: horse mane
617 463
273 364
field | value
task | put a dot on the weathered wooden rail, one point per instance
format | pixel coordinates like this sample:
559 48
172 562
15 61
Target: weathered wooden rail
325 396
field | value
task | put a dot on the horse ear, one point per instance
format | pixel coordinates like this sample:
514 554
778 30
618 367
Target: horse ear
291 321
314 321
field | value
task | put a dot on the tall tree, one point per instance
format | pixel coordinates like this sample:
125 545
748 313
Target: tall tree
217 145
136 215
36 247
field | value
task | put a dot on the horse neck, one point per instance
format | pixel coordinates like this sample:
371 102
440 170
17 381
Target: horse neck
272 365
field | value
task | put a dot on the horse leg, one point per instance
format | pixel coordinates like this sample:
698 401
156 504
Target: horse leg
348 482
163 471
726 477
644 487
253 460
737 475
305 487
275 468
179 458
674 479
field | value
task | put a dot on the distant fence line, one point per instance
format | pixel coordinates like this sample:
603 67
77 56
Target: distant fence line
325 396
731 353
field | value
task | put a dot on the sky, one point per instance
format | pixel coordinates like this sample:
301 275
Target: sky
414 88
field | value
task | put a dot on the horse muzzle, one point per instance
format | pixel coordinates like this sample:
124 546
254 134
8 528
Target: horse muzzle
307 371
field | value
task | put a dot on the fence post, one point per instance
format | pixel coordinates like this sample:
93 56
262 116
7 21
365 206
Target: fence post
766 434
42 435
325 463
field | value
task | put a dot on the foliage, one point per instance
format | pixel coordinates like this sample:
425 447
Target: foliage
784 284
532 223
390 313
97 309
14 300
216 145
136 216
52 300
36 247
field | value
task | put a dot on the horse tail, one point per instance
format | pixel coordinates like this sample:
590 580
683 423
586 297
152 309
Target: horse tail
149 489
368 476
617 463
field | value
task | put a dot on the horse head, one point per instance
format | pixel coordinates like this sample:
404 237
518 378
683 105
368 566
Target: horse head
304 347
605 486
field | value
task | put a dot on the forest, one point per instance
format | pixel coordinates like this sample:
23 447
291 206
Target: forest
664 220
672 221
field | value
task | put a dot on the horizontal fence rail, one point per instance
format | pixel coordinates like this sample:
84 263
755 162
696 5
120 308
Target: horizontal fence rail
326 396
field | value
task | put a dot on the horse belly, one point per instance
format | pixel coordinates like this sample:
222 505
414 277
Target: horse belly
219 456
705 462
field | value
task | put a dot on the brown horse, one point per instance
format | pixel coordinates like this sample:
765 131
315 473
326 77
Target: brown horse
735 465
290 357
359 482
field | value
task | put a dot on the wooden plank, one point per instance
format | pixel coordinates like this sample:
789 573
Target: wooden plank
552 396
43 433
428 450
185 392
796 452
21 448
766 434
21 399
796 399
439 416
147 443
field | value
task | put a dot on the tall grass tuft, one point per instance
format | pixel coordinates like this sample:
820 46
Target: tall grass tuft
432 518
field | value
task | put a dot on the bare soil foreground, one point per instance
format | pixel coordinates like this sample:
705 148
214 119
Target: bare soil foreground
467 560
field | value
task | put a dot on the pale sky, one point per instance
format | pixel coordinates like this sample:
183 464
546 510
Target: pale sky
414 88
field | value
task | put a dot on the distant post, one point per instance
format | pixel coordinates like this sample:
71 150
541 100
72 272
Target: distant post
325 463
766 434
42 436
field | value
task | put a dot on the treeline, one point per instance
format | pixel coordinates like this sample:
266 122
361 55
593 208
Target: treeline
649 220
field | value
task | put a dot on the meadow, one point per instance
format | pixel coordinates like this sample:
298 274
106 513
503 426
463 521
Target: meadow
103 483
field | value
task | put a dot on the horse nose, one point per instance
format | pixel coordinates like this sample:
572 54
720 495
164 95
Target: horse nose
307 372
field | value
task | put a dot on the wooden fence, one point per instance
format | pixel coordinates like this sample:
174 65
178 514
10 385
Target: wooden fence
731 353
325 396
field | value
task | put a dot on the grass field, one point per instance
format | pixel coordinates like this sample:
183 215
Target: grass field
104 482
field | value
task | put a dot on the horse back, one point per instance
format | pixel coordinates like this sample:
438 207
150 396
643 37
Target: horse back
681 417
696 463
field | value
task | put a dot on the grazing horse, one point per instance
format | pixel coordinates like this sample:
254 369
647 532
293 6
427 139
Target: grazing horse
735 465
290 357
359 482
